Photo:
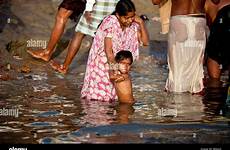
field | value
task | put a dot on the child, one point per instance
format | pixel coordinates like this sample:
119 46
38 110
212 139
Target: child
120 76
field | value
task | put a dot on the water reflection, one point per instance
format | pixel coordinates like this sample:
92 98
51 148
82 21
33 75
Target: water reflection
215 100
186 107
124 112
96 113
51 110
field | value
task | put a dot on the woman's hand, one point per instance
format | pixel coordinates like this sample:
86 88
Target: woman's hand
143 35
138 20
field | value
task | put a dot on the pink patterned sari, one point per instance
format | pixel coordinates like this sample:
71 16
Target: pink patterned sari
97 84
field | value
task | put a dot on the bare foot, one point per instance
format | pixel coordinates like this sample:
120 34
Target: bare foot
56 66
40 54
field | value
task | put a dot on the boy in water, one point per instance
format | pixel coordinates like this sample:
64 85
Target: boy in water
119 75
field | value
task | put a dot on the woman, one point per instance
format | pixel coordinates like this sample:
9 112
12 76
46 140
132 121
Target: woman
121 30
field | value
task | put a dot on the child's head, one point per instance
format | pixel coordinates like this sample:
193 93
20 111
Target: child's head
125 11
124 58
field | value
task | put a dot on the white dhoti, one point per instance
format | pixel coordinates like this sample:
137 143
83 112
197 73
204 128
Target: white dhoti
186 45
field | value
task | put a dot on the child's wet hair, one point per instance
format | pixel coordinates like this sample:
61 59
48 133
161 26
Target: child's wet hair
124 54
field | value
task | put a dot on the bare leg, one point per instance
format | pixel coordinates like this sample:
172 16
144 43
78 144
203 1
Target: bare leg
214 70
124 110
73 48
58 29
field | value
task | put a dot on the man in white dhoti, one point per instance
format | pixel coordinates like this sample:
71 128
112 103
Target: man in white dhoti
186 45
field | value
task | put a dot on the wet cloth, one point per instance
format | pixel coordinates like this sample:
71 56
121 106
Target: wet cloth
100 9
97 84
218 45
77 6
186 45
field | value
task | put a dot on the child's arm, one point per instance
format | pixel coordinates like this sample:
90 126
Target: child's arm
116 77
122 77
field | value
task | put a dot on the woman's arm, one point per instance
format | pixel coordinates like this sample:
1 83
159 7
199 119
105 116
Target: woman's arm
109 50
110 57
143 33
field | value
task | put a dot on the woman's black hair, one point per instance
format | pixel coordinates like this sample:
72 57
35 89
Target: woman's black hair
124 54
123 7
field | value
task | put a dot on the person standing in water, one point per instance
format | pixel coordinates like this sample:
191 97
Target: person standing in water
218 14
186 45
123 30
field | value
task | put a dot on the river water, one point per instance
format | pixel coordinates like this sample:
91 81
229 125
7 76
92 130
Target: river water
50 109
43 106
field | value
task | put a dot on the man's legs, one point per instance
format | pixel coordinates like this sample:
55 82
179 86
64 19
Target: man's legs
214 70
73 48
214 73
57 31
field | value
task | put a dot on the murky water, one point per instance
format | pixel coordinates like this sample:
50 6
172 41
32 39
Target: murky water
50 110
